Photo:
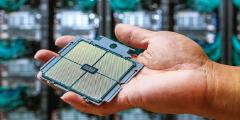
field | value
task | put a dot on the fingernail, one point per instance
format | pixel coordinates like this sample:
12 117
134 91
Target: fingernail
36 54
63 97
59 38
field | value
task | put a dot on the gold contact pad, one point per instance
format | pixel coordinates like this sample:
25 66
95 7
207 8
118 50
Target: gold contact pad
85 53
65 72
93 85
113 66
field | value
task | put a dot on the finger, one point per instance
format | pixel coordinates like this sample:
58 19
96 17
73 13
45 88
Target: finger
63 41
74 99
133 36
44 55
105 109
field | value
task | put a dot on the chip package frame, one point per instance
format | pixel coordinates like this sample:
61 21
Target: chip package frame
94 69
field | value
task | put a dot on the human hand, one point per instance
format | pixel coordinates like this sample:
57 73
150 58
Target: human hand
174 79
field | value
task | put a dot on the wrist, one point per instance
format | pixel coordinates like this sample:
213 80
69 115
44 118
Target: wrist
222 97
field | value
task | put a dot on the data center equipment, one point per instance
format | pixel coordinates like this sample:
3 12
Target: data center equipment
3 25
94 69
22 88
189 117
20 37
27 67
19 21
145 14
25 24
201 25
21 114
73 114
140 114
76 17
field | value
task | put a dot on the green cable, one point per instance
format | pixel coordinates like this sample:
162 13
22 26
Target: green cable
86 5
237 3
123 6
12 5
236 50
204 5
209 48
214 50
11 99
236 44
12 49
216 55
235 58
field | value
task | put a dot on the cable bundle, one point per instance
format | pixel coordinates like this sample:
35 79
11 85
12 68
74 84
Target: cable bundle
12 49
236 50
12 5
204 5
123 6
10 98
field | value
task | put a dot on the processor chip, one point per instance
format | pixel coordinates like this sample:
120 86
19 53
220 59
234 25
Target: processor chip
85 53
94 69
111 62
62 72
99 85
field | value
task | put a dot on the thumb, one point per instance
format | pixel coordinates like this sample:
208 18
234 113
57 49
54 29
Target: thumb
133 36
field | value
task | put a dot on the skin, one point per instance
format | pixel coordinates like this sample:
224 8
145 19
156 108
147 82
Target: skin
177 78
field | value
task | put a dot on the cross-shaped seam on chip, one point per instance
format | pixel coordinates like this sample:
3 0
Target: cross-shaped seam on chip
95 86
85 53
113 66
64 72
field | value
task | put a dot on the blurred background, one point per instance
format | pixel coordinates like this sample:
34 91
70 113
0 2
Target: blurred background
29 25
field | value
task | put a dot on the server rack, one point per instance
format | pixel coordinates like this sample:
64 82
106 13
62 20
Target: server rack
33 102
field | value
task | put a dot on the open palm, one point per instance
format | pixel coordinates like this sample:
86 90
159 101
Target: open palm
172 81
